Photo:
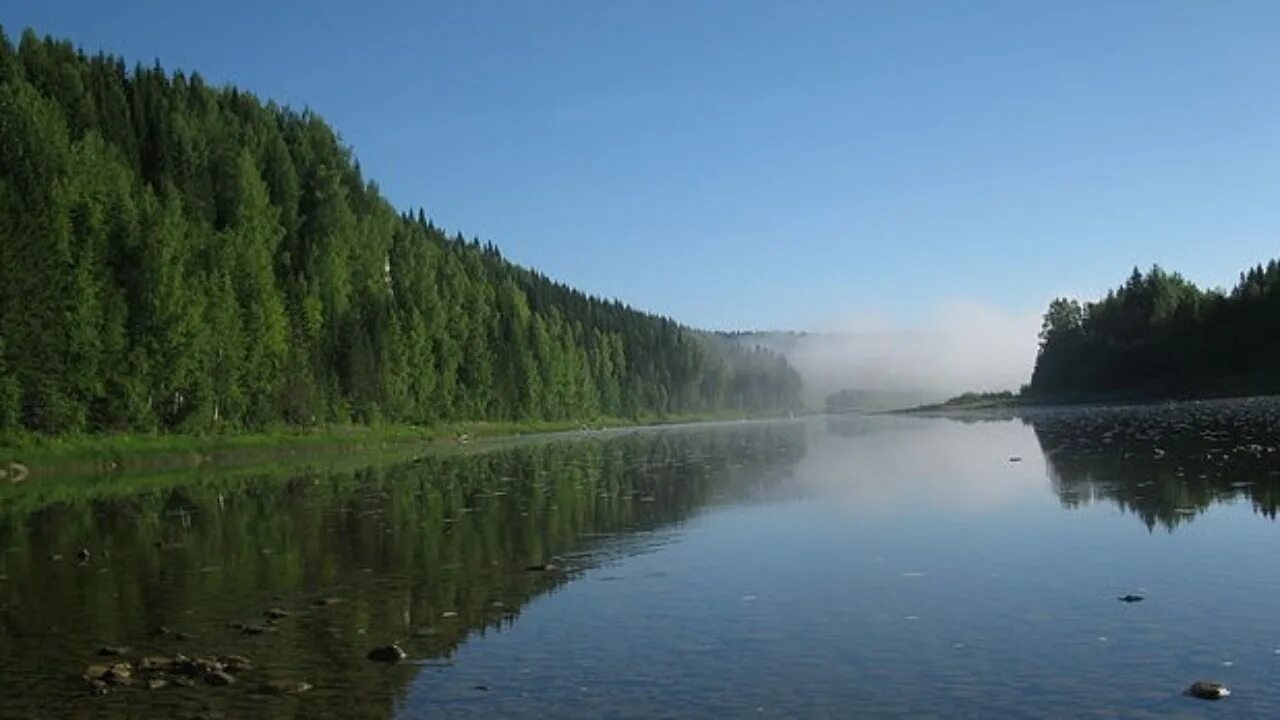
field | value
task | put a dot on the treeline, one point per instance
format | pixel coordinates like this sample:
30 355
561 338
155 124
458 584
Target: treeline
973 399
873 400
175 256
1159 336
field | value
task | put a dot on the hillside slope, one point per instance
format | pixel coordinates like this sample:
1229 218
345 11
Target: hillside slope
180 257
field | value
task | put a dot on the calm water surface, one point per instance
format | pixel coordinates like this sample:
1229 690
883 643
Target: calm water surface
831 567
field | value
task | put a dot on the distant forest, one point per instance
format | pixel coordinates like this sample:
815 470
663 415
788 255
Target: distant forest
180 257
1159 336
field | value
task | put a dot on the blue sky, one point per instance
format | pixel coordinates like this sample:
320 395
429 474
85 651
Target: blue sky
746 164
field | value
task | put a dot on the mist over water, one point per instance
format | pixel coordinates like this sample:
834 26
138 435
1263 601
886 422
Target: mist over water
966 476
963 345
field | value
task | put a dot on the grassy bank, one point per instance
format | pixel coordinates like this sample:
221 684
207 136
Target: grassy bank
972 401
46 456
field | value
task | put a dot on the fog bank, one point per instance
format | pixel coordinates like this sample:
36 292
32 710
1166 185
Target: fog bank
963 345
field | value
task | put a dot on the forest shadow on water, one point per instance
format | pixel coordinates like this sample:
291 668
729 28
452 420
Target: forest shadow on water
1165 463
303 575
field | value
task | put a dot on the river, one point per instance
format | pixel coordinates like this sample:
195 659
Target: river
850 566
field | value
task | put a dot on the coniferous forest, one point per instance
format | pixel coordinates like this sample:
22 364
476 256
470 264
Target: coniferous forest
1159 336
180 257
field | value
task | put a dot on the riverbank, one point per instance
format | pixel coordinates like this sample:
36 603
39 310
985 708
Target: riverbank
1016 403
971 401
43 457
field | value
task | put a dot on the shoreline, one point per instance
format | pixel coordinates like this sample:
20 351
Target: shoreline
45 457
1020 403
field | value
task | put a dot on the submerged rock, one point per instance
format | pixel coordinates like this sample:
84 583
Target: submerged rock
219 678
284 687
157 684
196 667
113 650
117 674
235 663
387 654
1206 690
555 564
156 662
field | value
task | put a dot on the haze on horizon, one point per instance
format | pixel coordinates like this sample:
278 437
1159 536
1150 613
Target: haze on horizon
924 178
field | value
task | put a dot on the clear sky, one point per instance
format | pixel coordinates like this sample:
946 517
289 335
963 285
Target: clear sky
765 164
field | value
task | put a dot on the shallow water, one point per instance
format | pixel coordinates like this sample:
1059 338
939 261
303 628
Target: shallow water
831 567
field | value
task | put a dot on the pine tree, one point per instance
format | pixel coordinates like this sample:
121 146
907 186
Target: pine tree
169 311
9 396
251 240
35 254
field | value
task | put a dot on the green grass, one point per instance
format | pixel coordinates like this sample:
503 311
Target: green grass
95 455
59 484
972 401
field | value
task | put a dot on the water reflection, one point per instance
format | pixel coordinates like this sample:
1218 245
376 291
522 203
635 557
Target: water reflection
929 558
424 553
1167 463
893 466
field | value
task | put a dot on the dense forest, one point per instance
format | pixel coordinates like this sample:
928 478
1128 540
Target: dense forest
1159 336
175 256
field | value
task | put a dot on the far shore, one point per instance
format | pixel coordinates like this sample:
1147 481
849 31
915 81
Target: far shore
1019 402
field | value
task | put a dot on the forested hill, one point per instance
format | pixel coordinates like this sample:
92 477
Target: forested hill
175 256
1159 336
